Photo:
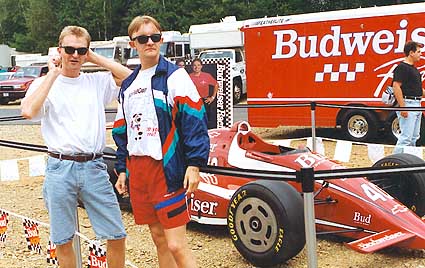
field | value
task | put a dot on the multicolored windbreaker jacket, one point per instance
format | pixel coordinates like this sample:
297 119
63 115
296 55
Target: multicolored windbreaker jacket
182 128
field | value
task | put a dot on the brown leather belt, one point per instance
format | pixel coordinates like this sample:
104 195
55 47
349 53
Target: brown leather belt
77 157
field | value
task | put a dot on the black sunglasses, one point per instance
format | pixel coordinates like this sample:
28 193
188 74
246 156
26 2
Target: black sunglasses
71 50
143 39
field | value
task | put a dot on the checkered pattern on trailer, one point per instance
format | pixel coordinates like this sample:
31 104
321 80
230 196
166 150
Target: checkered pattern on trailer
334 75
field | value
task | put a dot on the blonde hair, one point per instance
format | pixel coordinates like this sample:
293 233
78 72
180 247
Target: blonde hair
141 20
74 30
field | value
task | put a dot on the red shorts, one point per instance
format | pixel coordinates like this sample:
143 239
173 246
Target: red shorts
149 198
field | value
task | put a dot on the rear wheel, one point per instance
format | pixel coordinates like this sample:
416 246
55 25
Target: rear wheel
266 222
408 188
360 125
4 101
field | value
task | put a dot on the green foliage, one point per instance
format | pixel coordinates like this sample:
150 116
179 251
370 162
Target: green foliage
34 25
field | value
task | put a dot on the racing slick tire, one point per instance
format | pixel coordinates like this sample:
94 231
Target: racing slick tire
266 222
360 125
408 188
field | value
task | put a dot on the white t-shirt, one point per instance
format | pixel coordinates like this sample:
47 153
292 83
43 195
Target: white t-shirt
73 114
142 122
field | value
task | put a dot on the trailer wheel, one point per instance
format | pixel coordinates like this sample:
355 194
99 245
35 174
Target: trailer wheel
266 222
237 91
360 125
393 128
408 188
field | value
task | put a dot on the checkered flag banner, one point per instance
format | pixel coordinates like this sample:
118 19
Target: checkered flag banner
52 258
32 235
97 256
4 219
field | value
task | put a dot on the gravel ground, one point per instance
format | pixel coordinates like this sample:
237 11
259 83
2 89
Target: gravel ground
211 245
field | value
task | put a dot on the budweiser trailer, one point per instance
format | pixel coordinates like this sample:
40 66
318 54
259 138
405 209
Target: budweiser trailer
340 57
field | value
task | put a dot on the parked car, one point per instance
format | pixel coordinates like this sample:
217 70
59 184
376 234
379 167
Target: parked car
15 88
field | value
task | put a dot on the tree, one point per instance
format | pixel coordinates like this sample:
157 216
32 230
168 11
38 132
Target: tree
42 25
12 20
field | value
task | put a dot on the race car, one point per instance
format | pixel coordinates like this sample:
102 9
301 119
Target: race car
265 218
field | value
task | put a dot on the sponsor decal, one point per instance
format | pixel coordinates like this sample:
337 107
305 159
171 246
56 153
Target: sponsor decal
209 178
398 208
213 161
279 241
289 43
97 257
212 147
309 160
362 219
378 241
374 192
204 207
137 91
99 262
230 215
213 134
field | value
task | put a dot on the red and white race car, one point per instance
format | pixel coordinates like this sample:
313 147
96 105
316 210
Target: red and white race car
265 218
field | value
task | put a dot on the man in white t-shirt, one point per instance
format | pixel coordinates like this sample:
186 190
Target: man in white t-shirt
71 107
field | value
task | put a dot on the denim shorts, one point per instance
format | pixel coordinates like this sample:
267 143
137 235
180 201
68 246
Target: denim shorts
65 182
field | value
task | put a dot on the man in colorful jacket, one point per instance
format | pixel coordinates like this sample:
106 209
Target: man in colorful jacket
162 138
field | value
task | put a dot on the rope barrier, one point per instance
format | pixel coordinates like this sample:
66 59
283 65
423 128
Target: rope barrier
43 224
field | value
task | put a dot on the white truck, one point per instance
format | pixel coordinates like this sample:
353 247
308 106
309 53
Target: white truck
5 56
222 40
174 46
117 49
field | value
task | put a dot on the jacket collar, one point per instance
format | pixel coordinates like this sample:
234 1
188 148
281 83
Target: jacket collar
160 69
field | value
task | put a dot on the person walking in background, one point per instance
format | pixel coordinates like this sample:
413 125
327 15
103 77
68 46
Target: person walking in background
71 107
207 87
162 139
408 91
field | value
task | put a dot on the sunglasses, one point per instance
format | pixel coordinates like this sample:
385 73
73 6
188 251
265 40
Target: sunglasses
71 50
143 39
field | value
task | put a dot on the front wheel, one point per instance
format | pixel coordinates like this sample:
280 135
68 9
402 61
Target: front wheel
408 188
266 222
